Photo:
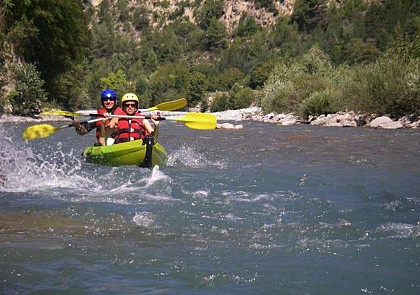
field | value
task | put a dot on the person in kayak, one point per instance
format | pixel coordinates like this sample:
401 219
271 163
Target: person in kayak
108 107
128 129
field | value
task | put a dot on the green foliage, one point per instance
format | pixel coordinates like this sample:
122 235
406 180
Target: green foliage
214 37
211 9
389 86
375 25
220 102
308 14
247 27
243 98
166 46
292 82
196 88
245 54
359 51
225 80
140 20
73 90
163 56
62 37
260 74
116 81
29 92
169 82
406 48
320 102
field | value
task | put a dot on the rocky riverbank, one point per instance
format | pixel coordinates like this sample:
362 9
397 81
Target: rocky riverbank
37 119
228 119
340 119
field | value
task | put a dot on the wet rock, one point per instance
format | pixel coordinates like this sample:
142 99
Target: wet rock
229 126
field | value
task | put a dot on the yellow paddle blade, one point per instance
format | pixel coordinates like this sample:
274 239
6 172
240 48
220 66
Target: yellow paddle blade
198 121
169 105
61 113
38 131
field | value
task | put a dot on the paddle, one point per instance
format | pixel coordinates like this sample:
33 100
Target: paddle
44 130
164 106
172 105
192 120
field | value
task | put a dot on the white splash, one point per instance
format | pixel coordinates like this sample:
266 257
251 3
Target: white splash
145 219
55 171
188 157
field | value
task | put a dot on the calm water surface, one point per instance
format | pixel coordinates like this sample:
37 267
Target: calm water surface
265 210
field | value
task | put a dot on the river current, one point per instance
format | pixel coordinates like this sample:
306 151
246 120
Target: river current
265 210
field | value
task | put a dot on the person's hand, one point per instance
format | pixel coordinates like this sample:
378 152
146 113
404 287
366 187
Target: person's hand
106 115
154 119
80 127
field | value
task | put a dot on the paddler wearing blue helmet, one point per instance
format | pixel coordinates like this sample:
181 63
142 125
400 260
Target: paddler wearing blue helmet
108 107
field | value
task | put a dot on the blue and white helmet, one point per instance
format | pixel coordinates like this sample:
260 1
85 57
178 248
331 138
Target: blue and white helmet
108 94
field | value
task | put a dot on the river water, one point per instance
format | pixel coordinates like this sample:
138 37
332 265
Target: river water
265 210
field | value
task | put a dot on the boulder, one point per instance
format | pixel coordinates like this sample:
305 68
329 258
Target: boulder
229 126
376 123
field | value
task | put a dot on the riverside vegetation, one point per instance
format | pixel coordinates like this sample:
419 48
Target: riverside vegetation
321 57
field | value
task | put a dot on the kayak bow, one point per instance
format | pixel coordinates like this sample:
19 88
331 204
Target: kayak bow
143 153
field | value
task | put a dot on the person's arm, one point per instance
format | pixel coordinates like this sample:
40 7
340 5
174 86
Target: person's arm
155 132
84 128
148 126
103 133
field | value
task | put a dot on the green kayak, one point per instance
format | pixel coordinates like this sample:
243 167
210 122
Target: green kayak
142 153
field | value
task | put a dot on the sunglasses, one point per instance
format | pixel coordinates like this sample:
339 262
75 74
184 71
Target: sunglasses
108 99
129 105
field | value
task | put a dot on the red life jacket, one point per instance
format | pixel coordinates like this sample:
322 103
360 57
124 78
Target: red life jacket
101 111
129 129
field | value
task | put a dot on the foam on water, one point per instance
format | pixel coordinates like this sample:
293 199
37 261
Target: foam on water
276 223
187 156
52 171
145 219
26 170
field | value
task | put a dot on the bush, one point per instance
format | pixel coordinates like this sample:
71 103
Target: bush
29 93
243 98
220 102
389 86
196 88
225 80
291 83
260 74
320 102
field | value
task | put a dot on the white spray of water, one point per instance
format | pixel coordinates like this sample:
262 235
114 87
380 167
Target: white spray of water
56 172
187 156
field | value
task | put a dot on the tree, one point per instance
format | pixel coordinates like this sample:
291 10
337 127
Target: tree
196 88
260 74
375 25
215 36
54 36
116 81
309 14
29 93
169 82
212 9
247 27
166 46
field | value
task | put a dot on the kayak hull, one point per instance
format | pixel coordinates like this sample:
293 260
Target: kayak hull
140 153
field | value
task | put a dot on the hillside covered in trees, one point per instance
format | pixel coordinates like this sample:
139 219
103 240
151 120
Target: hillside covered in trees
304 56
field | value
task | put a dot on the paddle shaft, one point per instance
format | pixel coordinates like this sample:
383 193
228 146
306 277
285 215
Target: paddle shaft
82 122
191 120
164 106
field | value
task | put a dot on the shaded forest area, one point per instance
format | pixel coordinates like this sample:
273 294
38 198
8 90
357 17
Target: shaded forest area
348 55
